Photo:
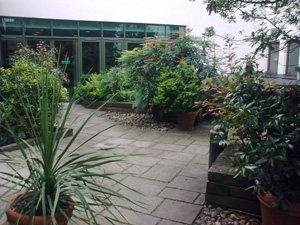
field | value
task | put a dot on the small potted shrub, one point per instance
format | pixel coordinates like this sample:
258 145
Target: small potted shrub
58 178
177 91
263 121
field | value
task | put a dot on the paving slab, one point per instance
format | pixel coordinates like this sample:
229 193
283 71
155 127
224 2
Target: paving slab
174 163
169 222
195 170
177 211
142 160
179 195
184 157
188 183
142 203
169 168
169 147
142 144
162 173
196 149
144 186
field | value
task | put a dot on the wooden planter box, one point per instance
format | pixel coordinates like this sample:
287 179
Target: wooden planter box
228 192
14 146
125 107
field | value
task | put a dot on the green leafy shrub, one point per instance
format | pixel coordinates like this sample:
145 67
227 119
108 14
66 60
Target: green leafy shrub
178 89
102 87
20 81
263 121
145 65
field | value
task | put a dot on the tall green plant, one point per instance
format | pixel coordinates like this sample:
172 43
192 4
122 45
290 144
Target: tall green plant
178 89
144 65
56 172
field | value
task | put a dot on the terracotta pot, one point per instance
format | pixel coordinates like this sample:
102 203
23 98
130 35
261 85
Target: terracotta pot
13 217
276 216
186 120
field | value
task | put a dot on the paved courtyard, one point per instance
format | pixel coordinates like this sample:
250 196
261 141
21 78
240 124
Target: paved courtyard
170 169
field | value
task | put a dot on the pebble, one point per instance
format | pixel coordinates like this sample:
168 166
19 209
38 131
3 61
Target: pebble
143 121
214 214
210 215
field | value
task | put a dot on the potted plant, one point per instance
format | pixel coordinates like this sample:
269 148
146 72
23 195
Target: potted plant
177 91
58 178
263 121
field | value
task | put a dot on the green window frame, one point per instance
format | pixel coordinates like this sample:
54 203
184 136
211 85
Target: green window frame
65 28
11 26
37 27
90 29
134 30
115 30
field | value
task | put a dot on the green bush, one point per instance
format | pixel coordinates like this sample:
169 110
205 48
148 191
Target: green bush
102 87
145 65
21 82
263 120
178 89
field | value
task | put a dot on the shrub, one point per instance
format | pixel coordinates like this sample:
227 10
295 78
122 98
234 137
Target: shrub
21 81
263 121
145 65
103 86
177 88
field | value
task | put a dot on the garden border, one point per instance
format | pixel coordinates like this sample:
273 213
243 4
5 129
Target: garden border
14 146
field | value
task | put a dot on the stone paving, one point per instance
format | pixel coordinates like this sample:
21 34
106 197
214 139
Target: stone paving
170 170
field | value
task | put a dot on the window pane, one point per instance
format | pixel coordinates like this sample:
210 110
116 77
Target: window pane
273 58
155 30
11 26
65 28
113 50
131 46
174 31
9 47
90 29
135 30
293 58
37 27
113 30
90 57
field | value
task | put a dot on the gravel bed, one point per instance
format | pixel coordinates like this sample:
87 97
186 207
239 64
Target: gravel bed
210 215
143 121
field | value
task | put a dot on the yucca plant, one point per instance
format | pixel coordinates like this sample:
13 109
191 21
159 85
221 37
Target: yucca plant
56 175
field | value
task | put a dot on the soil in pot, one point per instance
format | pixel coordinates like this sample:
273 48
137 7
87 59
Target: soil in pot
16 210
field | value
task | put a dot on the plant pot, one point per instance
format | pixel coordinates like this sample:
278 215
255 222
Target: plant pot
214 148
278 217
186 120
13 217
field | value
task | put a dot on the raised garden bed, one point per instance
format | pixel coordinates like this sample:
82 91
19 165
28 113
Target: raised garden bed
125 107
228 192
14 146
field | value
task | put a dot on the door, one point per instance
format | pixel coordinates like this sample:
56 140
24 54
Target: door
90 58
67 60
112 51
